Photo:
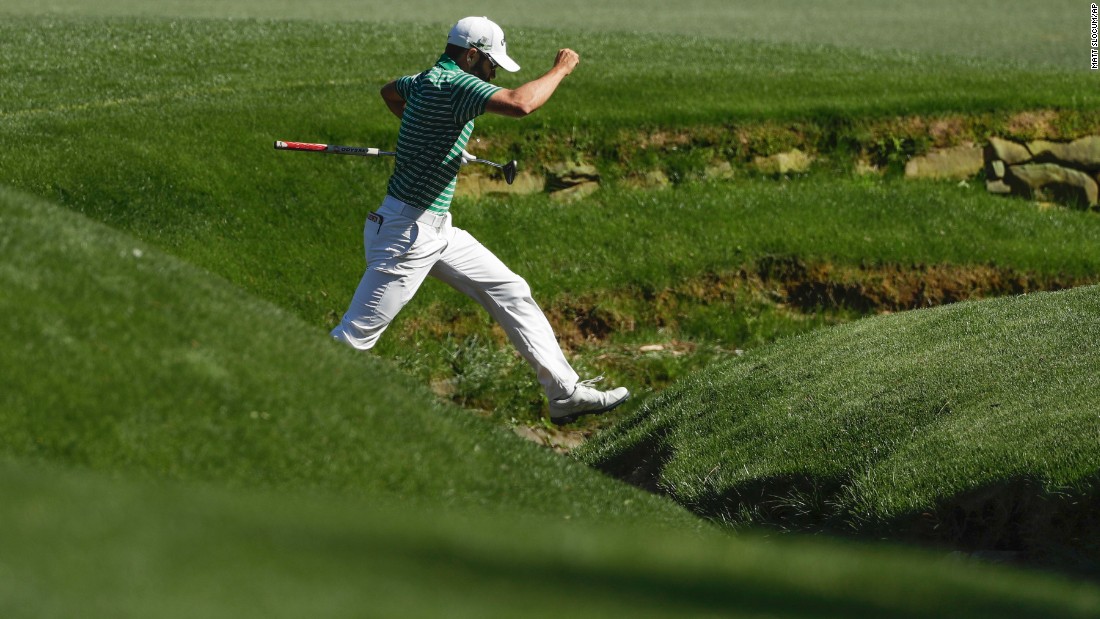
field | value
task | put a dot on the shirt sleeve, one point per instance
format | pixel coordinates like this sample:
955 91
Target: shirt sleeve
404 86
469 94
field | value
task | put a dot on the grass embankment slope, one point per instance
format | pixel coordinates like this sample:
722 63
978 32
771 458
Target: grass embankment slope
76 544
162 128
122 360
973 424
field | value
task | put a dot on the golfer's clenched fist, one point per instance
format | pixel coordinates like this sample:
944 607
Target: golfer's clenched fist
567 60
532 95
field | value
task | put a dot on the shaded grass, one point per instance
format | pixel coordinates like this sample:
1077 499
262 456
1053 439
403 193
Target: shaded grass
78 544
868 426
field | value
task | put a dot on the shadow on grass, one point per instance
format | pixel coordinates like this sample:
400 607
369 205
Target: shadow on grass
1022 520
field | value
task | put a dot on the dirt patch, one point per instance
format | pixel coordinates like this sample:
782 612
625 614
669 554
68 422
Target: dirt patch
895 287
663 139
797 285
1035 124
561 441
806 287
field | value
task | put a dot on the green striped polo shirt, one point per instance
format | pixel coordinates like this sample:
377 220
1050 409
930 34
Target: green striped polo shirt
440 106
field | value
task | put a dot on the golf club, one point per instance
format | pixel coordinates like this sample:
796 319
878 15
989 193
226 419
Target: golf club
508 168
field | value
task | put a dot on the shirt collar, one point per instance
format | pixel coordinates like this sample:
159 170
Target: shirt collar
446 62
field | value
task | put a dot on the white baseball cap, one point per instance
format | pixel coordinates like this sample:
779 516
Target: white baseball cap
481 33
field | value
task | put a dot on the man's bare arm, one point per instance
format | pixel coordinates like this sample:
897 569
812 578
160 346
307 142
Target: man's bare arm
532 95
393 99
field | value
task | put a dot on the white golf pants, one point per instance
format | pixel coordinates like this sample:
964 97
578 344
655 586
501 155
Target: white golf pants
404 245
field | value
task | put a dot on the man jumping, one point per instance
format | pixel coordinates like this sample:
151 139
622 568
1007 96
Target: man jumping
410 236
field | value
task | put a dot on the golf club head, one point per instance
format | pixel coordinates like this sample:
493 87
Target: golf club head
510 171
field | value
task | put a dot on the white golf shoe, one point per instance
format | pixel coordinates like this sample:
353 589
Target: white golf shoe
586 401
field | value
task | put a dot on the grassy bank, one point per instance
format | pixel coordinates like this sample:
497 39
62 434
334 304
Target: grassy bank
313 475
972 425
80 544
120 358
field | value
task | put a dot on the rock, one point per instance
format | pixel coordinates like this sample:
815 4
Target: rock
1038 180
576 192
1008 152
722 170
790 162
1083 154
565 175
655 178
997 186
955 163
866 168
996 169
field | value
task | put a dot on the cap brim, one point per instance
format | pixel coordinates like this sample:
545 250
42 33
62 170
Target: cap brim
504 62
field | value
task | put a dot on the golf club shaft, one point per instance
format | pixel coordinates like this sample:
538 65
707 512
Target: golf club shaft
351 150
492 163
309 147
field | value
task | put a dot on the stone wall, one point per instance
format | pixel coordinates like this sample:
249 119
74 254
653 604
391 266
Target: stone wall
1063 172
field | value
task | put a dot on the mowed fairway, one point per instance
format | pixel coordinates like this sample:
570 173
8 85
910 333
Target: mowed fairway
984 30
179 437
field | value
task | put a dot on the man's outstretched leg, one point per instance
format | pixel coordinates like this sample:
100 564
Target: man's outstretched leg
400 253
472 269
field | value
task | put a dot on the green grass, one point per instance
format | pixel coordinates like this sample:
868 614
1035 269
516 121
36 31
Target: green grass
185 340
304 68
973 424
172 142
720 265
317 476
652 240
162 128
1001 33
83 545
